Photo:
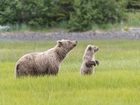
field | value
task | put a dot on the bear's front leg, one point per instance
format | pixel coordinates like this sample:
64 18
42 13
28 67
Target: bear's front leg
97 62
90 63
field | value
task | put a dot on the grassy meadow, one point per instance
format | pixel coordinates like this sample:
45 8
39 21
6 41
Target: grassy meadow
116 80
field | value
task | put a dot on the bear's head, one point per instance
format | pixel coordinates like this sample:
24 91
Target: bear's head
66 45
92 49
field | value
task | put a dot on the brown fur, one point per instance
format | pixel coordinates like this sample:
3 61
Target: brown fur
44 63
89 61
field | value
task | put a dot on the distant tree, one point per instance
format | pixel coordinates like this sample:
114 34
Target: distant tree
7 11
89 12
133 5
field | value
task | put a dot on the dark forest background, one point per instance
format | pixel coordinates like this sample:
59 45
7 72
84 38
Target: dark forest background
75 15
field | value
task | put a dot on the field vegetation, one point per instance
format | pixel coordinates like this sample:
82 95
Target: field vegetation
116 80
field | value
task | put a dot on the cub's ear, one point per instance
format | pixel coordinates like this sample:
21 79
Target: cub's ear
90 48
59 42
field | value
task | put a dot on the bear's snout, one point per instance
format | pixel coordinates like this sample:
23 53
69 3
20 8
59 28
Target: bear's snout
97 48
75 42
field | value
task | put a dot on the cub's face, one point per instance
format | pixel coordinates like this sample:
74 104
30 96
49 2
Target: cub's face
92 48
66 44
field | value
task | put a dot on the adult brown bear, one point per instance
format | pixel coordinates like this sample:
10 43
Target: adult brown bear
44 63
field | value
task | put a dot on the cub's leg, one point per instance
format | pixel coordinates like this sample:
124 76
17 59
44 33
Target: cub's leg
97 62
90 63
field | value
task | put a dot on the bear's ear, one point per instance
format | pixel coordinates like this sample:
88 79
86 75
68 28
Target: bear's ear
90 48
59 42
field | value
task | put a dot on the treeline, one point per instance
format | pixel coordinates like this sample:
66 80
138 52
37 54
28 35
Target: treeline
79 15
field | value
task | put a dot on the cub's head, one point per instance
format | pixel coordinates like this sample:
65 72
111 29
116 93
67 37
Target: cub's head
67 45
92 49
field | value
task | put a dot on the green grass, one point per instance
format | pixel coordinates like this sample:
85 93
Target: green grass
116 80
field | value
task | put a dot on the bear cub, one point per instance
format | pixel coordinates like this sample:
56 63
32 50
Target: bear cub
89 61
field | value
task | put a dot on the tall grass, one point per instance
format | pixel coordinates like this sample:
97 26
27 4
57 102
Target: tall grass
115 82
16 27
19 27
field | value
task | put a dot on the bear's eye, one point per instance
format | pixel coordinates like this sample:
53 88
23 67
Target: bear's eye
70 42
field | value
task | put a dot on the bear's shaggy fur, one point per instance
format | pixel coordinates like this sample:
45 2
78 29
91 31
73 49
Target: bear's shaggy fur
89 61
47 62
